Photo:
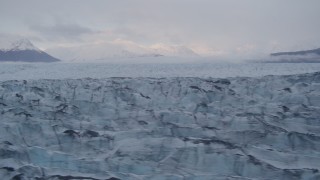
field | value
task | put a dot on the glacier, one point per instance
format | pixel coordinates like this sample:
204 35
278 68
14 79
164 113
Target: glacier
187 128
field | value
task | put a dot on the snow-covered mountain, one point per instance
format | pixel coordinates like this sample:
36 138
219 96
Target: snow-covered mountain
19 45
118 49
295 53
23 50
161 128
311 56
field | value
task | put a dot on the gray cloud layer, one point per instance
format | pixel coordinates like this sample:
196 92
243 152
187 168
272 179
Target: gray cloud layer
227 26
61 30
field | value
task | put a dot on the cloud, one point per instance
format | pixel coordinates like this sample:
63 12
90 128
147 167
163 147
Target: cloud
62 31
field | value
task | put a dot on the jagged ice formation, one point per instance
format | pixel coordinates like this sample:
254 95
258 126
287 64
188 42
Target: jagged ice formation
161 128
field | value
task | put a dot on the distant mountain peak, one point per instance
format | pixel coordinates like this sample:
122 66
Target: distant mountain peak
23 44
17 45
23 50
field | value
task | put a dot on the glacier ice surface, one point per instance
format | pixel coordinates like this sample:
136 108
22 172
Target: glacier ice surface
161 128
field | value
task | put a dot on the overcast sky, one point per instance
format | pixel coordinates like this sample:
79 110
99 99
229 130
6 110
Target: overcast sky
208 26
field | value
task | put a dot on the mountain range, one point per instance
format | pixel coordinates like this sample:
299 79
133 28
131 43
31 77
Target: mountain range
119 49
23 50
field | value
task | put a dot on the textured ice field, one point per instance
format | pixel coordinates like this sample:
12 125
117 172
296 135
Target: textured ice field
161 128
180 127
20 71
